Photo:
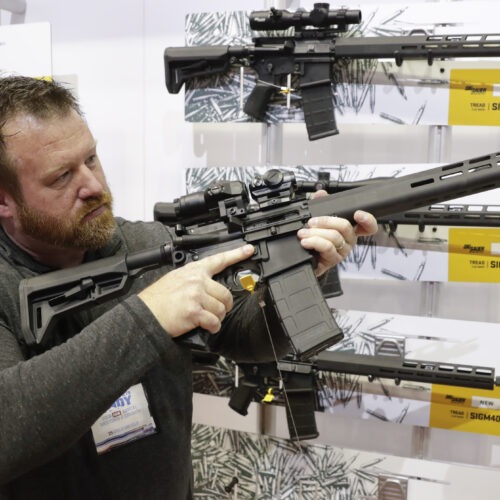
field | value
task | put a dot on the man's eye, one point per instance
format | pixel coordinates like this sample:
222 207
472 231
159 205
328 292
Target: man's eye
62 178
91 161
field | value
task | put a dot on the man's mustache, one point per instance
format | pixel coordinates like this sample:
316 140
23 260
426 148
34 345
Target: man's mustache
96 202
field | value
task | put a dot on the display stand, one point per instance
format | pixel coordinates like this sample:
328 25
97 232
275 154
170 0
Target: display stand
419 437
439 136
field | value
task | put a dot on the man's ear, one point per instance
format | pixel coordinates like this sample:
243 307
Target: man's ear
7 205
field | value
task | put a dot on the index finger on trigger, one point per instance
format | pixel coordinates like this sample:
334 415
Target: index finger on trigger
217 263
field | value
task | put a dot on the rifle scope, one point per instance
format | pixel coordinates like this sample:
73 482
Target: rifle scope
203 205
320 17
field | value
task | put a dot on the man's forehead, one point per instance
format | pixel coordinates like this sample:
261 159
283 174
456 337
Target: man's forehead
52 128
25 120
48 144
18 124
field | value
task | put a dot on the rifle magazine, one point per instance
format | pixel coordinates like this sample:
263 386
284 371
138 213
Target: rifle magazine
303 312
319 115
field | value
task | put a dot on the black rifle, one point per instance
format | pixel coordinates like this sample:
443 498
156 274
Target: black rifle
223 217
310 56
296 384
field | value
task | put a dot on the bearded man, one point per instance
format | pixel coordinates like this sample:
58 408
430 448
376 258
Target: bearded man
55 213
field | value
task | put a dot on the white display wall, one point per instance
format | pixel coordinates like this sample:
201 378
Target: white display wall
112 52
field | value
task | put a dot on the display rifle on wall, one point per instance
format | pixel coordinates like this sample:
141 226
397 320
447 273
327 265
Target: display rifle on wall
310 56
222 217
297 384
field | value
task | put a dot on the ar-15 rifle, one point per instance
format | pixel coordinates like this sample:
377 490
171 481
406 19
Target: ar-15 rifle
310 56
296 384
222 217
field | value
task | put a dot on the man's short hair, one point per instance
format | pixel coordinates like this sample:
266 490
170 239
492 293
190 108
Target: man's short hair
23 95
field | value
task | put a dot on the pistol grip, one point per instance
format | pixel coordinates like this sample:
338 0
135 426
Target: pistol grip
303 312
258 100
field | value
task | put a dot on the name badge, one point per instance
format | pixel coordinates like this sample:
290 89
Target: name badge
127 420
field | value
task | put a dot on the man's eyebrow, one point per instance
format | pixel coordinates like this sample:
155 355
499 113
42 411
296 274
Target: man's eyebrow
54 171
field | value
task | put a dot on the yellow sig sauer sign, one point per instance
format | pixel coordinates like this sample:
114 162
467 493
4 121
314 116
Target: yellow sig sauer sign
474 97
464 409
474 255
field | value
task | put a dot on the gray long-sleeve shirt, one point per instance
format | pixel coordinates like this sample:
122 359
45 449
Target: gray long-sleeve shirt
50 399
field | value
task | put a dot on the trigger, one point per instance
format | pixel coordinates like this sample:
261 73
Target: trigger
248 282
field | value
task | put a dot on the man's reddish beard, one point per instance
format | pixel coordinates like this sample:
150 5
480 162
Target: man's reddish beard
69 232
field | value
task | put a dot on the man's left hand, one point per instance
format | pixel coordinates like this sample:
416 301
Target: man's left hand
332 238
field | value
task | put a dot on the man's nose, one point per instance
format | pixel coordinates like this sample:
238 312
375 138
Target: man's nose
90 184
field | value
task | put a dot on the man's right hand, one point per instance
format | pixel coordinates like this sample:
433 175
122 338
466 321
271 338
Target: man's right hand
188 297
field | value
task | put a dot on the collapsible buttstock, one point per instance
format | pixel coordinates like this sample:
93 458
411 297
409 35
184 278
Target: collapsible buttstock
185 63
